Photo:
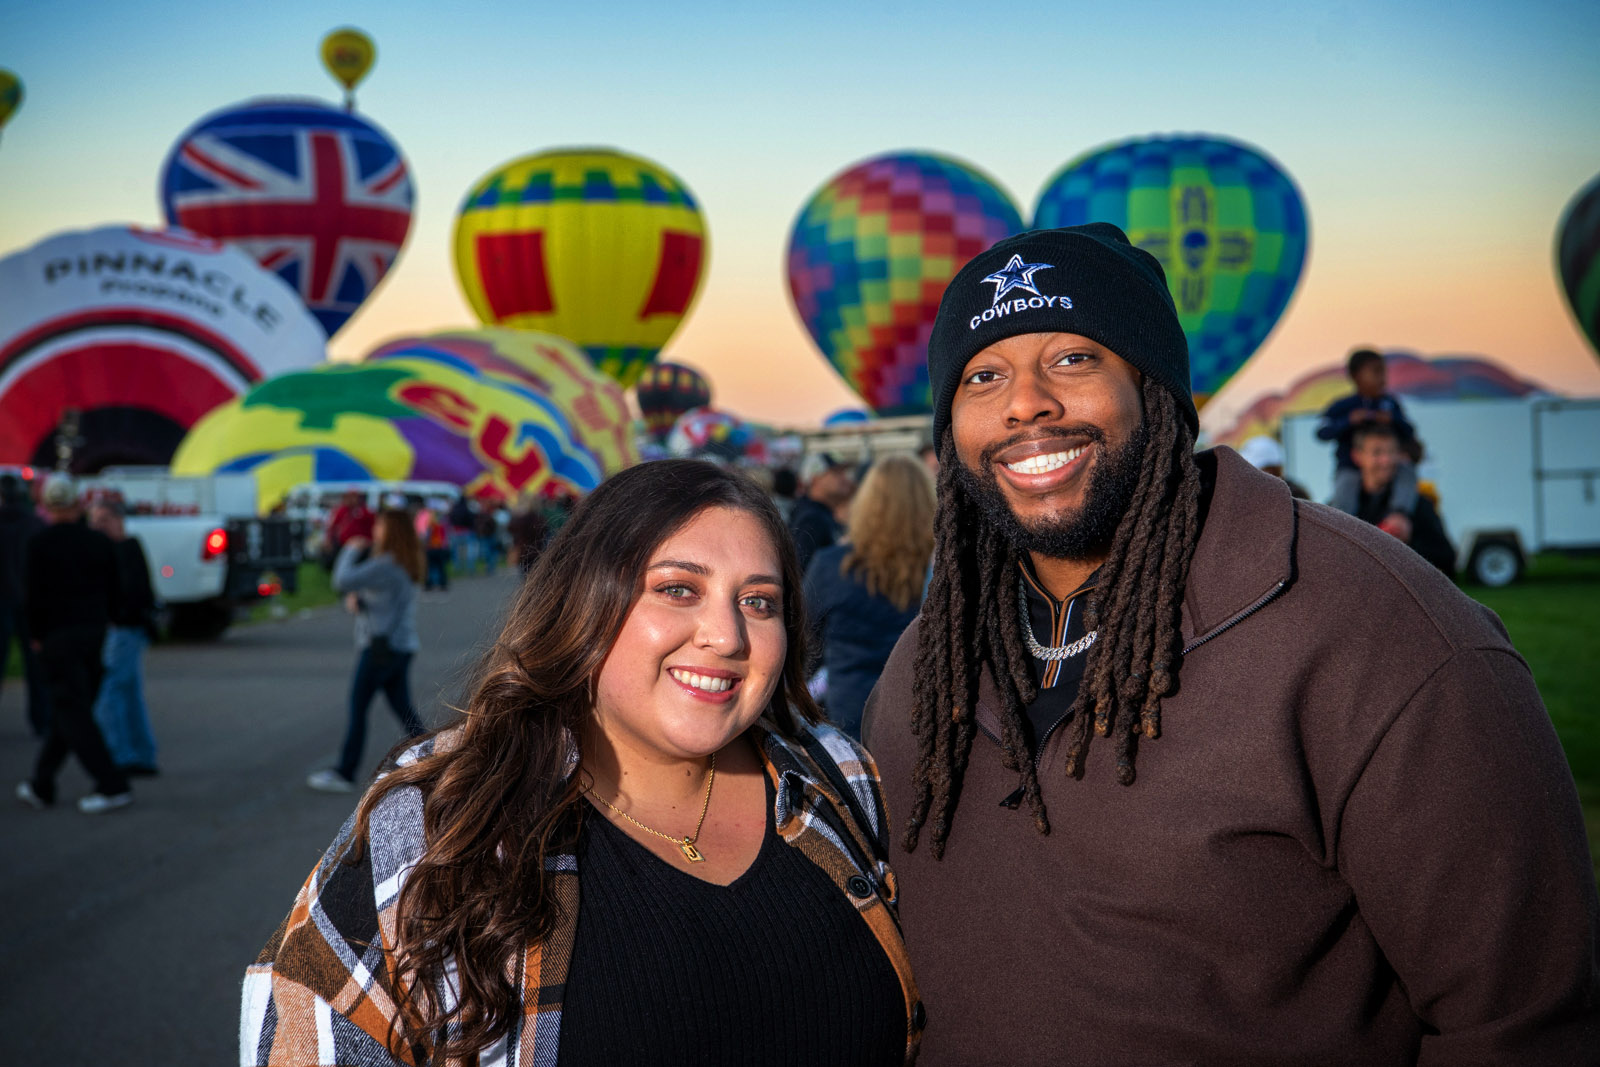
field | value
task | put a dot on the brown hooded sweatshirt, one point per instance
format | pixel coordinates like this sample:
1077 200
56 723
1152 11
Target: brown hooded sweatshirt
1356 841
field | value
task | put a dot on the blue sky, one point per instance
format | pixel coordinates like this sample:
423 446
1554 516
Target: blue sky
1435 145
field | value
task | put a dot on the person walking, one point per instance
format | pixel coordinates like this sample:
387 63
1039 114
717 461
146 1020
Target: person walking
120 710
863 593
386 636
19 522
72 592
638 844
433 528
1291 796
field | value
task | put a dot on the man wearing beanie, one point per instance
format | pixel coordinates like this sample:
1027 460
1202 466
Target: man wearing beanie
1184 770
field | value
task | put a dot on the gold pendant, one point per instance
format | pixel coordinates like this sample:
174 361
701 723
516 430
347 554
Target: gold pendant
691 853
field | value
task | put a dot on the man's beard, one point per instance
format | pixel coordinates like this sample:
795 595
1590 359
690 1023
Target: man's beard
1084 533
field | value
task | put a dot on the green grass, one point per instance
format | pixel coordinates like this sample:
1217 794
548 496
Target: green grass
314 590
1553 616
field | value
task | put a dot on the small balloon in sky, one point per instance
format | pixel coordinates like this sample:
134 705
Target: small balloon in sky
1578 259
598 246
1225 221
869 258
10 95
348 54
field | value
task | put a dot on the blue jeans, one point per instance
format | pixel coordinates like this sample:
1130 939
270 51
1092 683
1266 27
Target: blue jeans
120 710
462 544
489 552
373 674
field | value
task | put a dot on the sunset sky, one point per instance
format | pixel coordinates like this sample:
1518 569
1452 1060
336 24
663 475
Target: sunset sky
1435 144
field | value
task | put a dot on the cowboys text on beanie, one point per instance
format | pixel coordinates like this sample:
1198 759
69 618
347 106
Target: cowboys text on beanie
1087 280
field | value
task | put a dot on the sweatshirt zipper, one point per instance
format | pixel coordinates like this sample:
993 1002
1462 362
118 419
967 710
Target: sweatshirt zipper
1014 800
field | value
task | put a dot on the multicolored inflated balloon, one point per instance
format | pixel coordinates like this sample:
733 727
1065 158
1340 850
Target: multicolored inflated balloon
10 95
1411 376
598 246
870 255
141 332
667 390
1578 259
317 195
348 54
708 432
495 412
1226 222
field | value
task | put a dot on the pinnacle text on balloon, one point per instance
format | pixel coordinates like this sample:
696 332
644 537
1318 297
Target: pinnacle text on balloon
157 266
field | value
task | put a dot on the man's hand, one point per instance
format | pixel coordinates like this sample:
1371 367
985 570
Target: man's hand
1380 416
1360 415
1398 525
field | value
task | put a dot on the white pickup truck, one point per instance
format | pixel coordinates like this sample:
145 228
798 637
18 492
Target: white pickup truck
1514 477
208 550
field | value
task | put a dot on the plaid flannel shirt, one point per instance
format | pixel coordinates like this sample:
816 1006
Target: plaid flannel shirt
322 990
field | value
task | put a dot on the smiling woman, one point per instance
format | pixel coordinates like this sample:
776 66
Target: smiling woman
638 844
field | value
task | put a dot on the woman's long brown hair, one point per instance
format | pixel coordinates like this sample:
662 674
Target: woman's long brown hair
400 542
499 794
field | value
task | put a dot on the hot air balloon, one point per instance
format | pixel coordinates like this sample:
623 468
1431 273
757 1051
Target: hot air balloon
495 412
594 245
1224 220
10 95
869 258
667 390
1578 259
348 54
708 432
317 195
847 417
139 332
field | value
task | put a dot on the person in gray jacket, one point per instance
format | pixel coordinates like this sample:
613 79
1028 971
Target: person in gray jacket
385 585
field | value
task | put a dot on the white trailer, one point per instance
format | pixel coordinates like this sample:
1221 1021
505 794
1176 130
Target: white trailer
1514 477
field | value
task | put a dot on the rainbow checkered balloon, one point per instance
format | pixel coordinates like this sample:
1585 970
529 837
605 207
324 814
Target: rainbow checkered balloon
1225 221
870 256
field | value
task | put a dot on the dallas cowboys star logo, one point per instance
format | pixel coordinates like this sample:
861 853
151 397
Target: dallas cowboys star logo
1015 275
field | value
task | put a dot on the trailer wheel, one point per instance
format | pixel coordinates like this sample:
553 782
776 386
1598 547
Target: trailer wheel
202 621
1495 563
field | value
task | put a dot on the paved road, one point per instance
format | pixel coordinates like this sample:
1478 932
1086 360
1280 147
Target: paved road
123 937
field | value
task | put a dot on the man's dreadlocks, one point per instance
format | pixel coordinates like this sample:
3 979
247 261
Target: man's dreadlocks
970 619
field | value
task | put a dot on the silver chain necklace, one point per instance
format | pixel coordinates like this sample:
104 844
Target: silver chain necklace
1048 652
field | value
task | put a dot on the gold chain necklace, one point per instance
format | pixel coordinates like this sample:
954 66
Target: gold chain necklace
685 844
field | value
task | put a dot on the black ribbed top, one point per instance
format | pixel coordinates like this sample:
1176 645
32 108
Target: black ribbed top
776 968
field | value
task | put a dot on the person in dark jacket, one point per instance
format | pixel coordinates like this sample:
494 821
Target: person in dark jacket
120 710
18 523
862 594
1370 405
1377 456
813 521
73 591
1294 799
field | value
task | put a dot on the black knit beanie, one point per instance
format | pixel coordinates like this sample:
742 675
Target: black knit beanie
1081 279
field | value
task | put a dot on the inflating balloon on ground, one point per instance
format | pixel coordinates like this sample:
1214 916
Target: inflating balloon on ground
847 417
1578 259
707 432
869 258
1409 376
1226 222
667 390
317 195
595 245
495 412
139 333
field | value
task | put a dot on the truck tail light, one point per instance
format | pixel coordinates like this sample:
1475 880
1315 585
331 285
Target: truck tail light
216 544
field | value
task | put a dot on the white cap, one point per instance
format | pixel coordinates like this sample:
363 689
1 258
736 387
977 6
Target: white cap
1262 451
59 491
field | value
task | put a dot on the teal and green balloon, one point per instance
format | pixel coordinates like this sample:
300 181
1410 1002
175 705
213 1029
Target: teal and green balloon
1226 222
